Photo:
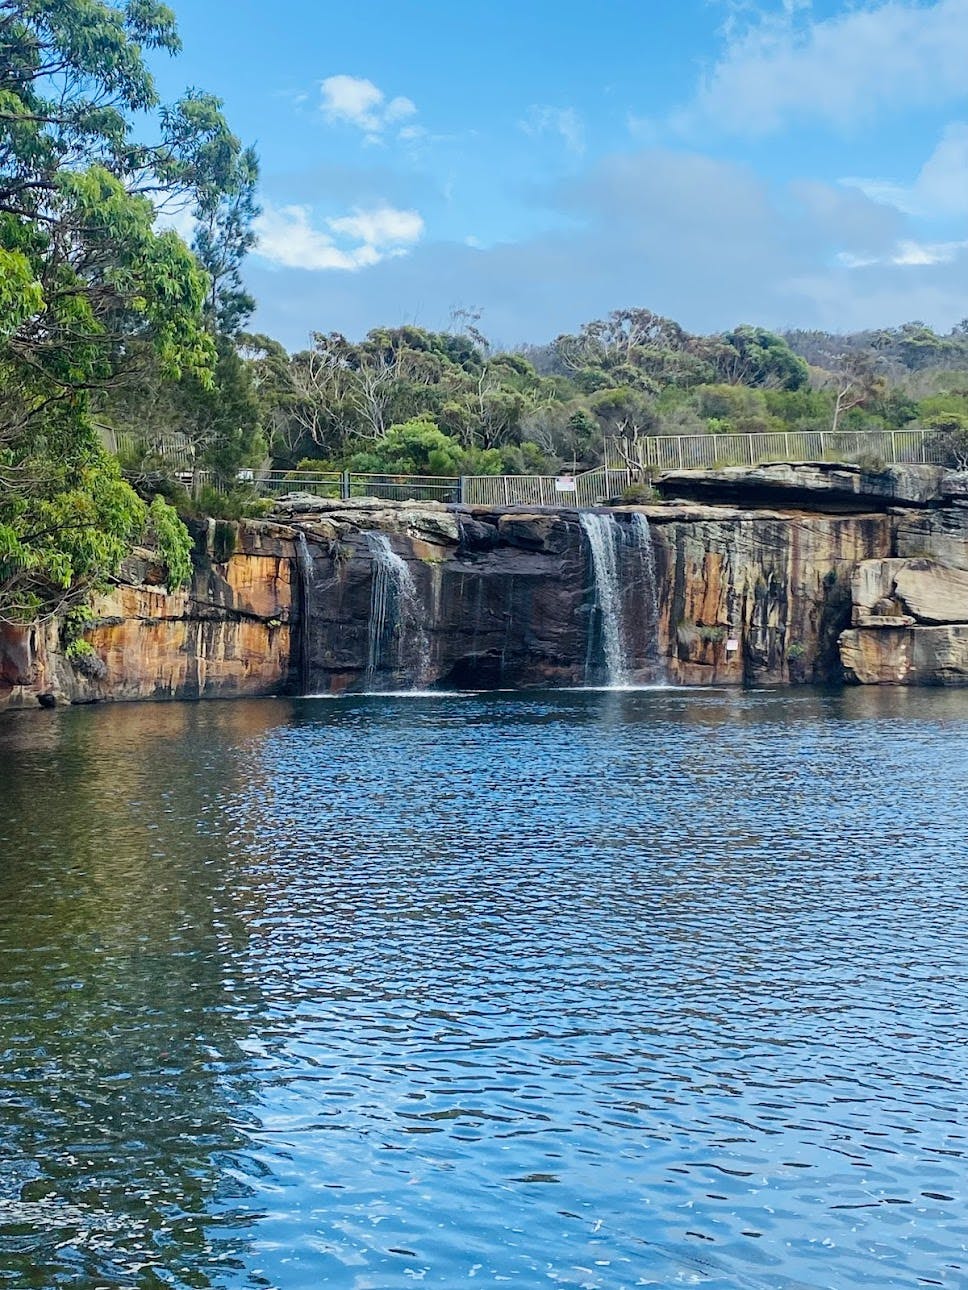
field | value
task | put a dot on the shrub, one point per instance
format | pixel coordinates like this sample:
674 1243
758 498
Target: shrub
639 494
711 635
948 438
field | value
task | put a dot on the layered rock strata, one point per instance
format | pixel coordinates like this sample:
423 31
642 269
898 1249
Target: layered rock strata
844 574
743 597
226 634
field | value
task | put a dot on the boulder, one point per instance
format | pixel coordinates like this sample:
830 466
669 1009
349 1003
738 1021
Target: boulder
906 655
816 485
932 593
940 535
918 590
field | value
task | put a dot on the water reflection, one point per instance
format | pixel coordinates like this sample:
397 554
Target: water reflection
122 1002
588 989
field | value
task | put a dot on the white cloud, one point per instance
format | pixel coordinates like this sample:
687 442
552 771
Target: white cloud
699 239
882 54
565 122
384 227
907 254
941 187
353 100
288 238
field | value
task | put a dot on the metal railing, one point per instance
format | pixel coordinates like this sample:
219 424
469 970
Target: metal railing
590 488
711 451
339 484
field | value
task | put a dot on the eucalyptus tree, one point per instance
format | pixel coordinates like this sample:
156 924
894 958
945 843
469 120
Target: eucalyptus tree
89 284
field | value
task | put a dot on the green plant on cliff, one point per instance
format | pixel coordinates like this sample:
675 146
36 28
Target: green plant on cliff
172 539
710 635
89 286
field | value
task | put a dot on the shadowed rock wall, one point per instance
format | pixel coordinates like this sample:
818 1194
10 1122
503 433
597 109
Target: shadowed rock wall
746 595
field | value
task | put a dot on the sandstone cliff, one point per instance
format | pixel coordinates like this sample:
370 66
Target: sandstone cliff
226 634
800 574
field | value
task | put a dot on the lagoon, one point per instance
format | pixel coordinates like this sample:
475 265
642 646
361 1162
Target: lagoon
594 989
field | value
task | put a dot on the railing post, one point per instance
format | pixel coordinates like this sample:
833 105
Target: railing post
461 488
344 485
823 445
679 447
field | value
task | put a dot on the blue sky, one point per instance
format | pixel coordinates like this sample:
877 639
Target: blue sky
719 161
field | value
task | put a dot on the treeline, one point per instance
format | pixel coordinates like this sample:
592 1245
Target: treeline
409 401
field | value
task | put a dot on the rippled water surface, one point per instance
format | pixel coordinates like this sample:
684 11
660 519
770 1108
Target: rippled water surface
587 989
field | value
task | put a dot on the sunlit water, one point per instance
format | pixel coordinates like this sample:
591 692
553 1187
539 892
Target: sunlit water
588 989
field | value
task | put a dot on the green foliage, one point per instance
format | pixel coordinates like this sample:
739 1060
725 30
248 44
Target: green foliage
639 494
90 291
710 635
172 539
417 447
73 624
67 519
79 648
237 504
949 438
756 357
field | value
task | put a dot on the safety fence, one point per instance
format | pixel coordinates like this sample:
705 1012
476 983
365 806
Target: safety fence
711 451
589 488
647 456
338 484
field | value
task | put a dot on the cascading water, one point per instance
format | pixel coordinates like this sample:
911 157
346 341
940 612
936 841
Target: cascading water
604 537
307 582
396 641
642 540
626 593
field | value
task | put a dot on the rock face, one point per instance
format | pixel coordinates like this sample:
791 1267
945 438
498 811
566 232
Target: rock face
336 595
910 624
831 485
497 599
939 534
757 598
227 634
778 584
906 655
910 612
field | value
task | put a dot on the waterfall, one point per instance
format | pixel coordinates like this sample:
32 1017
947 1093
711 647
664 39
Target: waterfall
626 593
307 582
604 538
642 540
396 640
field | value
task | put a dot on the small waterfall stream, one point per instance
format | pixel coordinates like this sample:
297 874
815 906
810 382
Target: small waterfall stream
604 537
307 582
626 593
642 540
396 641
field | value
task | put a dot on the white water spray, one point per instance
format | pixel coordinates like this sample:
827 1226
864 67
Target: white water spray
626 593
395 637
604 537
